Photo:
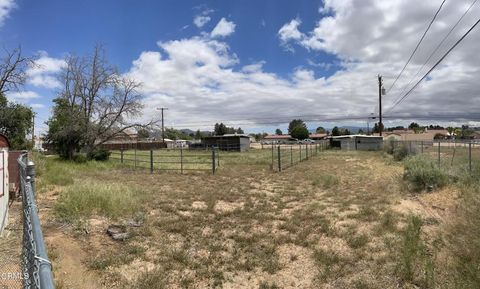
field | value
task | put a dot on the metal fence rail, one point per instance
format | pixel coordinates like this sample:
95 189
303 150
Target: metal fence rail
285 156
37 269
169 160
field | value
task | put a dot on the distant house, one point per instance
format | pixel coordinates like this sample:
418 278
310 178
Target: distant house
318 136
228 142
128 135
4 187
278 138
357 142
410 135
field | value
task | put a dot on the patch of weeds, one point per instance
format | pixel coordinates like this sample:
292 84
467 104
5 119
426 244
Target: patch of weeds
330 263
325 181
186 282
266 285
423 173
88 198
366 213
415 263
388 222
156 279
114 260
357 241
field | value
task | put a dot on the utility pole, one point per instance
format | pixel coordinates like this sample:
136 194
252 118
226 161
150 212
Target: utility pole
381 91
33 129
163 128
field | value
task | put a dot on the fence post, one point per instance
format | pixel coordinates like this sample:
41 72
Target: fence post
31 173
272 155
422 147
306 151
279 160
291 155
135 158
213 161
438 153
300 149
121 156
181 159
151 161
217 151
470 157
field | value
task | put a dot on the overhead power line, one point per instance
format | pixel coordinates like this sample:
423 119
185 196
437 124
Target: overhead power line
435 50
434 66
418 45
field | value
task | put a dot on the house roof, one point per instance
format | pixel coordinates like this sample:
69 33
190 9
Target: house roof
5 139
355 136
278 136
317 135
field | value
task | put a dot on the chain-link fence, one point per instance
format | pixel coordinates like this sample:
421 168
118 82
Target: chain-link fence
36 268
446 153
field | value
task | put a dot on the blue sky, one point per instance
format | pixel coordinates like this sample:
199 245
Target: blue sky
277 59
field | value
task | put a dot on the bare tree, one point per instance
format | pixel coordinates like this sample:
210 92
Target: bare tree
100 97
13 67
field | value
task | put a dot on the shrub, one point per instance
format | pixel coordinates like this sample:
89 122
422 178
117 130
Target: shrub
400 152
80 158
99 155
422 172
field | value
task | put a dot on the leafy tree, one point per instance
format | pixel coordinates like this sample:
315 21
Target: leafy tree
15 123
360 131
299 132
198 135
346 132
335 131
221 129
466 132
296 123
320 129
96 103
376 128
278 131
15 119
175 134
66 128
143 133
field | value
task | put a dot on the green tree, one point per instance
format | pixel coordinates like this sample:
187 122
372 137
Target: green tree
239 131
300 132
335 131
296 123
278 131
15 123
198 135
220 129
66 128
97 103
360 131
320 129
143 133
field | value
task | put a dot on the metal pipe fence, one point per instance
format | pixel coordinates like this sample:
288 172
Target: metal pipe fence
36 268
285 156
181 160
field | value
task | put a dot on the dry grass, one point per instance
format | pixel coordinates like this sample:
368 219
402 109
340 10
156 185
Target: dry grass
330 222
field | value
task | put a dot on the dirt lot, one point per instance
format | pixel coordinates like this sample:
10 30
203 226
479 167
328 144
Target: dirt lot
334 221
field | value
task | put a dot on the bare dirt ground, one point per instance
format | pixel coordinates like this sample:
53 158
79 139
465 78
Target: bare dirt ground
334 221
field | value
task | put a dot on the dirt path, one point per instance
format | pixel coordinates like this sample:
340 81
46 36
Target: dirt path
68 258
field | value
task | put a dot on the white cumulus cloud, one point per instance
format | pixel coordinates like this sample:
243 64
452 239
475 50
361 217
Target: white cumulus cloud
223 28
43 73
6 7
201 20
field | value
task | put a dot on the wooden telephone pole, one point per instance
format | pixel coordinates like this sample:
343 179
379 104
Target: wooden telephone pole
163 128
381 91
